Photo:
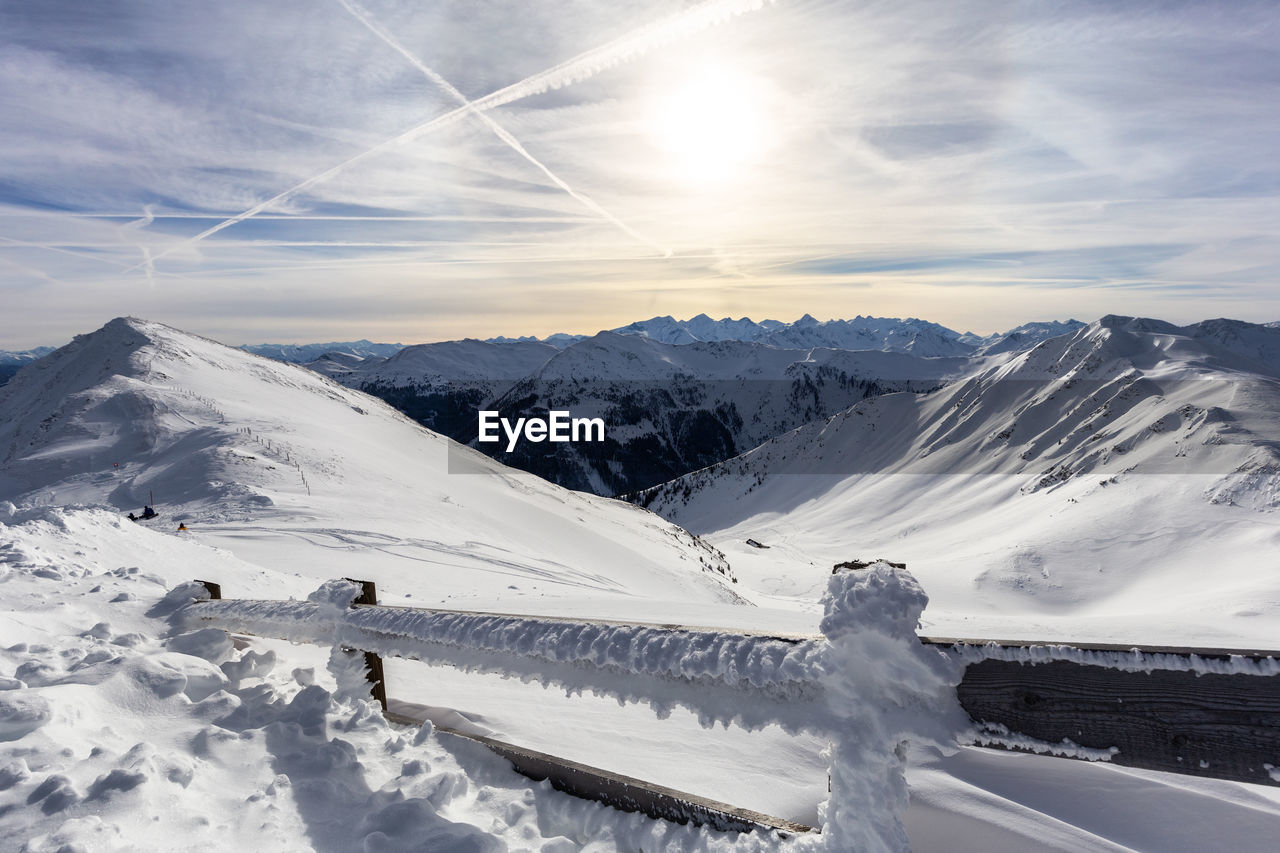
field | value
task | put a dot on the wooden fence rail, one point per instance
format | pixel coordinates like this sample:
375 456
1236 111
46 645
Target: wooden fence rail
1166 709
1202 712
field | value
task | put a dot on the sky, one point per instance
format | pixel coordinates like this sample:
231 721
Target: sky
407 171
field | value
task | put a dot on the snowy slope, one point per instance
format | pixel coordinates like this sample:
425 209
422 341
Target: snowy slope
1021 337
1116 483
247 450
116 736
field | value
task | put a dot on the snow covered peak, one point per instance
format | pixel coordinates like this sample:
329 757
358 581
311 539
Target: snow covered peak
727 329
1021 337
304 353
911 335
918 337
1099 472
1135 325
138 412
462 361
665 329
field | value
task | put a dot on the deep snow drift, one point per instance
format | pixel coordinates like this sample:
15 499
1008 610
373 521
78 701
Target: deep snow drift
118 734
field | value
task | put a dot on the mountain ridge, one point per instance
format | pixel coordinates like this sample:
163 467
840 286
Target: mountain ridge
245 448
1098 474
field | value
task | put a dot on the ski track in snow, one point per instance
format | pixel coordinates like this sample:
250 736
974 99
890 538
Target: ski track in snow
481 554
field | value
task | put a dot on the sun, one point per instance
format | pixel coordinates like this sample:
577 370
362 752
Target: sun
712 123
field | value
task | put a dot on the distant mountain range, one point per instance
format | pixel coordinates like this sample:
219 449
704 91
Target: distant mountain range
861 333
676 395
303 353
891 334
1118 481
12 362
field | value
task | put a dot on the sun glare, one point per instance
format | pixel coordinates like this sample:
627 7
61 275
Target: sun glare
711 124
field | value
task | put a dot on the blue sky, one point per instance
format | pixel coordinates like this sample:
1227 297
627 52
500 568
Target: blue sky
419 171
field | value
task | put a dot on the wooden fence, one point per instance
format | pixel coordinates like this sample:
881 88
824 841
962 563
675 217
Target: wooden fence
1202 712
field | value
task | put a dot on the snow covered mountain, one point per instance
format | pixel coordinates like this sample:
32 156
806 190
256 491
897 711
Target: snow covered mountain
1020 338
12 362
1122 478
677 395
304 353
559 340
24 356
674 408
443 385
244 448
704 328
338 364
121 731
918 337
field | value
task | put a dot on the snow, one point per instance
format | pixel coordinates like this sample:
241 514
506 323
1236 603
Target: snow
304 353
116 740
121 730
266 454
452 362
876 686
889 334
1082 490
1131 661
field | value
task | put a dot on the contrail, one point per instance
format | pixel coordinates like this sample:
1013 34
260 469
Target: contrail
501 132
61 251
147 218
148 263
584 65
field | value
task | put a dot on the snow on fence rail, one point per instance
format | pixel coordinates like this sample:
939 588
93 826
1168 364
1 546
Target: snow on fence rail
866 683
1200 712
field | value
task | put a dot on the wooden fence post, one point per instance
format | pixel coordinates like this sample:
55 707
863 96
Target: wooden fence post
372 662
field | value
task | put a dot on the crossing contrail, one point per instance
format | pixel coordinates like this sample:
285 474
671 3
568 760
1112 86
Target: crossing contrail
587 64
498 130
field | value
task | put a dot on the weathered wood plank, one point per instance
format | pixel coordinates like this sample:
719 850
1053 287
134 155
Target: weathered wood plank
1182 651
1223 726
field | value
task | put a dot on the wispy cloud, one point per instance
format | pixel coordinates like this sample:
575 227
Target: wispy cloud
498 130
579 68
980 163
